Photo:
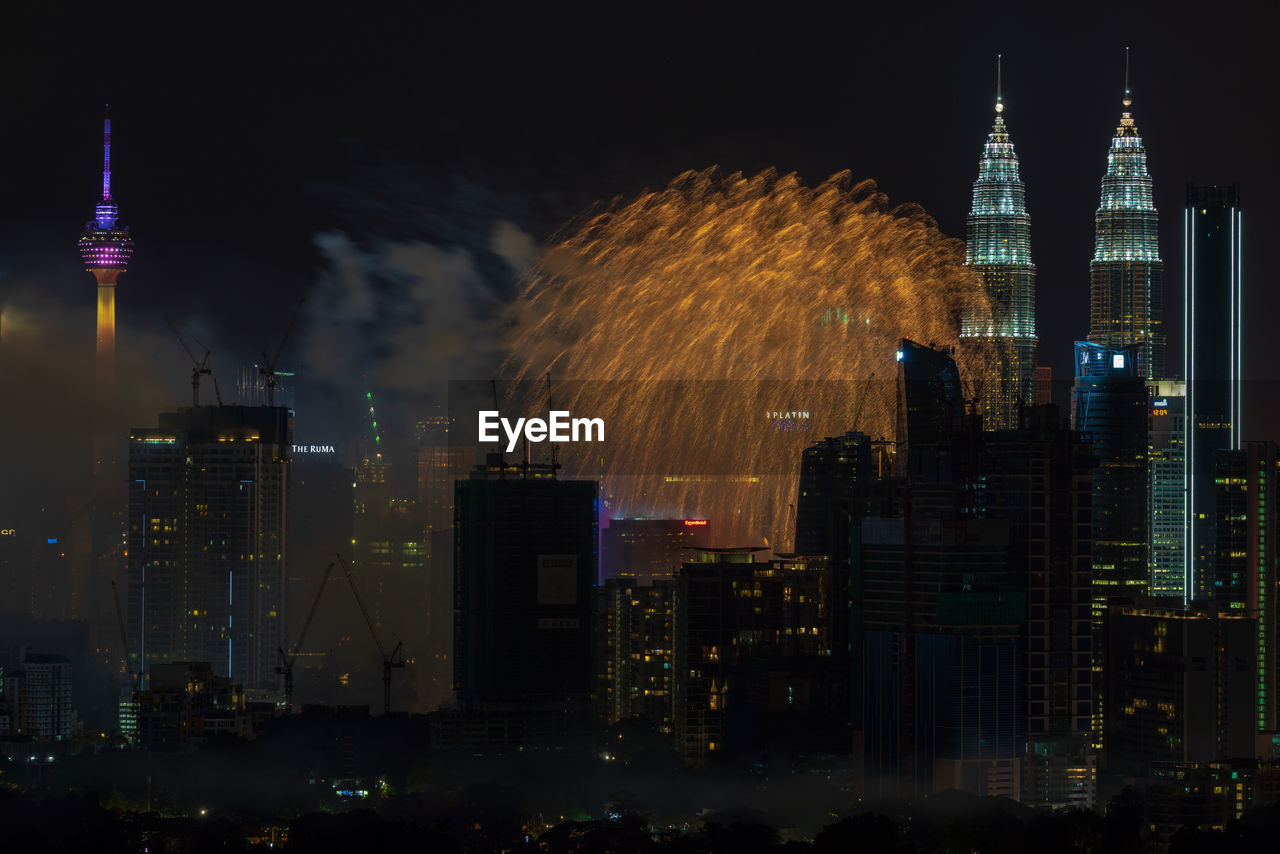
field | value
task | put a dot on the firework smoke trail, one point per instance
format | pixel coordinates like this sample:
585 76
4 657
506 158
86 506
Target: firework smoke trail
796 296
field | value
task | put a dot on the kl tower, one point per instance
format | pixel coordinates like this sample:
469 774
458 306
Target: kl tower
105 248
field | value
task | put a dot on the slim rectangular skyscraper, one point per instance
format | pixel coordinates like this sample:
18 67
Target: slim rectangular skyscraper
1109 402
1213 307
1167 450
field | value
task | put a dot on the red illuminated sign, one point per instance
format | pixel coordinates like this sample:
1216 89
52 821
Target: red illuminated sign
695 523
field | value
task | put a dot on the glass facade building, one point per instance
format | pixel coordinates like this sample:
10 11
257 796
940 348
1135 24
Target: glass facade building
1127 275
1212 360
1109 402
1167 450
999 249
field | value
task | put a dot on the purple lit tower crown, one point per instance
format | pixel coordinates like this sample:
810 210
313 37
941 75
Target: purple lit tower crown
105 246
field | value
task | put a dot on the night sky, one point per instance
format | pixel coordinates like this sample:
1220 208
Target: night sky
240 138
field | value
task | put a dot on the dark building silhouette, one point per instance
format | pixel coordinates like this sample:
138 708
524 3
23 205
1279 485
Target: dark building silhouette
1109 404
439 461
525 558
1039 479
208 510
752 660
1213 358
944 691
643 550
843 479
1180 685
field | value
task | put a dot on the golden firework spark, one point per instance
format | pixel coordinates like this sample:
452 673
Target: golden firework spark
722 324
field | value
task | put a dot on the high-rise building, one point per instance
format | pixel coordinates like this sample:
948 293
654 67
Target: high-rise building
1213 356
35 696
1109 403
440 461
933 430
1180 685
1244 579
1126 274
525 558
999 249
644 550
752 659
1039 479
1044 385
1166 443
944 658
636 675
206 558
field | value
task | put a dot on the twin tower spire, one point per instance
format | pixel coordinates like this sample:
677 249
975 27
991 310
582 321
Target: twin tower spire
1126 274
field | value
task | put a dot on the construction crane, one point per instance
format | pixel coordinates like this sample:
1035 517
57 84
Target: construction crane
862 400
268 366
199 367
287 660
395 659
124 638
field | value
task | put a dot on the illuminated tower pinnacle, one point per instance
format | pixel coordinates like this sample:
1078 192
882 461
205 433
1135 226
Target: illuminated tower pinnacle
105 248
999 249
1127 275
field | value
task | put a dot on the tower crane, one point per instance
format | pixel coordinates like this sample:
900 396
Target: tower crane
287 660
199 367
124 639
395 659
862 400
268 366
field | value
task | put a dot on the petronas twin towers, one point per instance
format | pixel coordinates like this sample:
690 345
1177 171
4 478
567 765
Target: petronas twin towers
1126 274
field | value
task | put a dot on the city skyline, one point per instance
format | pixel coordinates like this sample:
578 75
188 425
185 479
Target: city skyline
846 545
488 184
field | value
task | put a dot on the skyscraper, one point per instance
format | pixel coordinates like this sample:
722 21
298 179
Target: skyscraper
1247 483
1212 296
999 248
1126 275
1180 685
1167 440
206 540
524 567
1109 402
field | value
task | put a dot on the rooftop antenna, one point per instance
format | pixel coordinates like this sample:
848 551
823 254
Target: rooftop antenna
999 98
106 155
1128 97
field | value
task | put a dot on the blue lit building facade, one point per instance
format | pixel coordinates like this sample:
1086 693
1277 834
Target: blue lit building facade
1109 402
1126 277
999 249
